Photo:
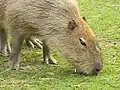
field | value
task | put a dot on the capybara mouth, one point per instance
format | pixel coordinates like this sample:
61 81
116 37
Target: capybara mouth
87 74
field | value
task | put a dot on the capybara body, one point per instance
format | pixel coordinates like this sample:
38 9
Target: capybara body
58 24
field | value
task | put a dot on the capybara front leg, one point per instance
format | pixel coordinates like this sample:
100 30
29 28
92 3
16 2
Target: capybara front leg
48 59
14 57
3 42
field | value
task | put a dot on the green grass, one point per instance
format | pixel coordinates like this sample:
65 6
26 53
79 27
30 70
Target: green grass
103 16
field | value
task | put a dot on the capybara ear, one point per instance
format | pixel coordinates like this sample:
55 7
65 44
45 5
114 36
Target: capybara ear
72 25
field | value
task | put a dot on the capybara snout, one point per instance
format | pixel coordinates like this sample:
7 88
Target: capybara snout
97 66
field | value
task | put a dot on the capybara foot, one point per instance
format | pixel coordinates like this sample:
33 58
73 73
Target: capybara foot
33 42
52 60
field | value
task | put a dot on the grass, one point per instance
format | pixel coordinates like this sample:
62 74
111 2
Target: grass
103 16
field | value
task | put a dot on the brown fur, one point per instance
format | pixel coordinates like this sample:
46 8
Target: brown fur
50 19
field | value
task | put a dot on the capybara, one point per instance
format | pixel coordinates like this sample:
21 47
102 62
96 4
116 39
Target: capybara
59 26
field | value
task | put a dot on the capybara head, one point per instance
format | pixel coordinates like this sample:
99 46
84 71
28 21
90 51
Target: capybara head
87 57
77 43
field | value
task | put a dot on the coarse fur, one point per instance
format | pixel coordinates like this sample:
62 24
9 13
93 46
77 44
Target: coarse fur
59 24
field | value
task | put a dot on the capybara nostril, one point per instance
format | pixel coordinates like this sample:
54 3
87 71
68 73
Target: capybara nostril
97 67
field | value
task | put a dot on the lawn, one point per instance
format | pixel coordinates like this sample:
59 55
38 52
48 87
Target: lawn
103 16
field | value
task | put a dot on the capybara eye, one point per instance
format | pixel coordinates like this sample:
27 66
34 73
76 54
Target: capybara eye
72 25
82 41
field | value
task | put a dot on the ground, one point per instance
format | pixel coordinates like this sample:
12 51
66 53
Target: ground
103 16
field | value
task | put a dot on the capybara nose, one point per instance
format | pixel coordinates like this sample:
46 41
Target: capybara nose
97 67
